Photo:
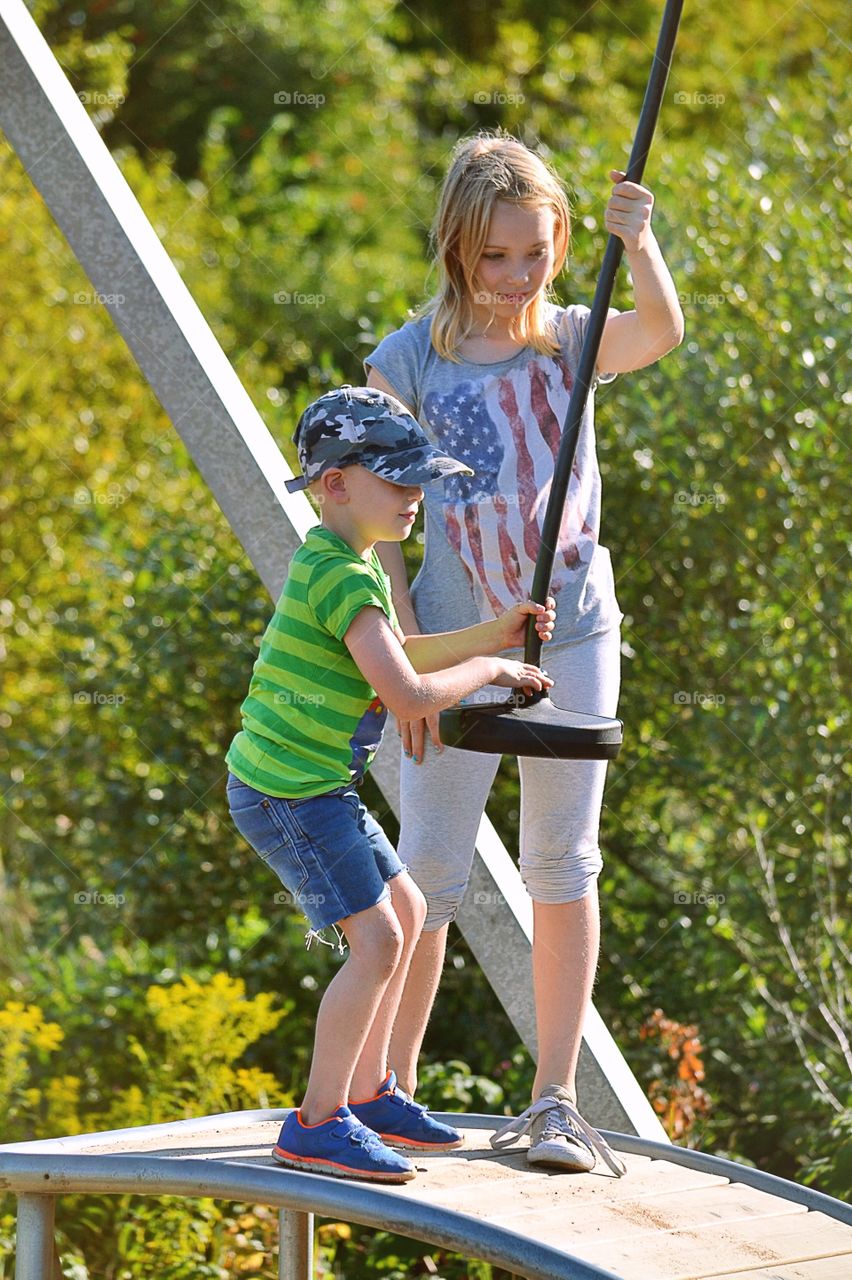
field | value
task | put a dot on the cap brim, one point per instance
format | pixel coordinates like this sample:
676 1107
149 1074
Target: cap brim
415 466
297 483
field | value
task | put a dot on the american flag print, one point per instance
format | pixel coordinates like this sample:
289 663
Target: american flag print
507 427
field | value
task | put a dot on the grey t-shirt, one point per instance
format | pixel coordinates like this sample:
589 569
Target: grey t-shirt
483 531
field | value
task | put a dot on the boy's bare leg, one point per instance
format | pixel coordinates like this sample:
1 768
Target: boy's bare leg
372 1066
349 1006
566 941
415 1006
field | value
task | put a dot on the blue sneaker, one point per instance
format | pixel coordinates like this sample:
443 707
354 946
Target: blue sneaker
401 1122
341 1146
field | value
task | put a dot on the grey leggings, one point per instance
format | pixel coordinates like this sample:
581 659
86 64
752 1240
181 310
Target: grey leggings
442 799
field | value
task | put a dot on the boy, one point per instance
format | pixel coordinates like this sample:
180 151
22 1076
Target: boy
332 662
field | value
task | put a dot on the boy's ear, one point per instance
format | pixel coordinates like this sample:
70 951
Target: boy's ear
331 486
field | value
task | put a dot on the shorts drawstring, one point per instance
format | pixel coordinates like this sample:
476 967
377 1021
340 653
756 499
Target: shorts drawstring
315 935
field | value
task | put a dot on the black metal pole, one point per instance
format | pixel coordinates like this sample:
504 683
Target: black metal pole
594 329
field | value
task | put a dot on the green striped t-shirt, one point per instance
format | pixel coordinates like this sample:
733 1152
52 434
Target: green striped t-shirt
311 722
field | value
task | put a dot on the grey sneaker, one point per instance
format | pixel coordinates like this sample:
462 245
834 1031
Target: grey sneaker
559 1136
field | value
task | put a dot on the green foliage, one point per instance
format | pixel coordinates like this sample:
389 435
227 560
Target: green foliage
452 1086
189 1067
159 1238
129 616
831 1166
356 1251
730 528
26 1039
185 1064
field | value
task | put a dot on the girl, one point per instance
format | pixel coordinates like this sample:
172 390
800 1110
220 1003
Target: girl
487 367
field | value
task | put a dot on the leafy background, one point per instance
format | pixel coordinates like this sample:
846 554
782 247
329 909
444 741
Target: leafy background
281 149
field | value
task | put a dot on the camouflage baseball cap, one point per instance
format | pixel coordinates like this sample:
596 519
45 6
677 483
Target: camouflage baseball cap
368 427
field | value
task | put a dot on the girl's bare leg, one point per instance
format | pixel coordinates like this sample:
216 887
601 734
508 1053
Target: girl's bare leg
566 942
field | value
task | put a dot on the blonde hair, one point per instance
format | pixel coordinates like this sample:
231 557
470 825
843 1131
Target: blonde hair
484 169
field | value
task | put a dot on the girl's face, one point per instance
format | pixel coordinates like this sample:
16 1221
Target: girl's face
517 260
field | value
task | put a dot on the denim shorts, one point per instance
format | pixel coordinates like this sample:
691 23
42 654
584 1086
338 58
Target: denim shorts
328 851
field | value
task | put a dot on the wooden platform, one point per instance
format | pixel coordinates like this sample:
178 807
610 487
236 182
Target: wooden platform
660 1222
663 1221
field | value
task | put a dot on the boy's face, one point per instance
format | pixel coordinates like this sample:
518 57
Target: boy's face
382 511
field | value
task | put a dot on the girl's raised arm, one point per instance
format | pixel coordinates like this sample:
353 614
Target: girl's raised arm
640 337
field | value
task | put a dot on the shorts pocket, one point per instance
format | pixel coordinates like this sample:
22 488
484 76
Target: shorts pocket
330 823
264 830
256 824
240 795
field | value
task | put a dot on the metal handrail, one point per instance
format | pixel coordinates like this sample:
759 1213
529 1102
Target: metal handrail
62 1174
771 1183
